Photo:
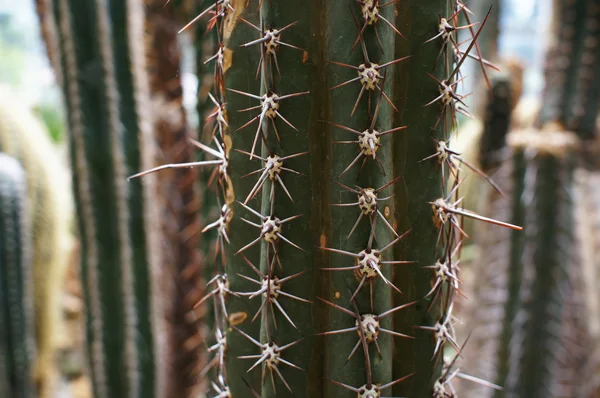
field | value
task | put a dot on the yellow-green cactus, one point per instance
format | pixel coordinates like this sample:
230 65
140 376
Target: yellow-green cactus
50 202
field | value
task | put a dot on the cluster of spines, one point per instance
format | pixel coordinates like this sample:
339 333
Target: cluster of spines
446 211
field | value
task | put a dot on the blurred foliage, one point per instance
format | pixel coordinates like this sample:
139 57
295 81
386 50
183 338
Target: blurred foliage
16 46
51 116
12 47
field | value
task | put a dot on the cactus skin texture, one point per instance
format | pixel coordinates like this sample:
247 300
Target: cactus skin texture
334 321
106 89
50 206
17 333
537 283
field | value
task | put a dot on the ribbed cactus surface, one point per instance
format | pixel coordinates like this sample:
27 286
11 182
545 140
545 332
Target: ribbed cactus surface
339 234
106 89
17 333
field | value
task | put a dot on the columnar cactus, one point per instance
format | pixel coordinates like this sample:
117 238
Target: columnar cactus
50 209
339 235
17 334
530 286
106 91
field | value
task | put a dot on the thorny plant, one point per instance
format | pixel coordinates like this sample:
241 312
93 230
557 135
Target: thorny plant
369 325
367 203
370 11
443 388
368 141
271 356
270 40
448 157
368 262
271 287
269 108
272 171
369 75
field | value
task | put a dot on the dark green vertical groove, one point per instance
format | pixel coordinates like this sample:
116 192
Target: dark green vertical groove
17 334
108 136
421 184
320 165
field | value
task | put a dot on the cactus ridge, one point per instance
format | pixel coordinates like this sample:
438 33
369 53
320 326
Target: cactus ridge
110 135
290 254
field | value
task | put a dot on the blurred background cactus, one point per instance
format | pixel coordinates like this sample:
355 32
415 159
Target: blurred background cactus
17 333
531 292
50 211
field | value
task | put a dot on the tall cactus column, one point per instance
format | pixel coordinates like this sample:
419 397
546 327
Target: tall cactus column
314 295
110 132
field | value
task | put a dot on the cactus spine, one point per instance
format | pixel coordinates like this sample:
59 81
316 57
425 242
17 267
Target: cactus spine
536 276
328 284
110 133
17 335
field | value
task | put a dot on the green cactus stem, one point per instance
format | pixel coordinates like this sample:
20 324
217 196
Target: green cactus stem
330 198
17 333
106 90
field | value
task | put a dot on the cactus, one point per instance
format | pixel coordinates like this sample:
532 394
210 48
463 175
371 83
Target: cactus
23 137
533 281
347 305
106 89
17 334
178 199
